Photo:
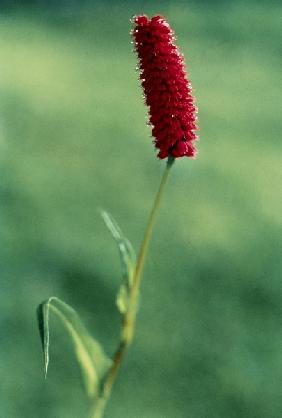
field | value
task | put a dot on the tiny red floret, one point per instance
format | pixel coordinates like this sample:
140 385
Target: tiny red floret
168 93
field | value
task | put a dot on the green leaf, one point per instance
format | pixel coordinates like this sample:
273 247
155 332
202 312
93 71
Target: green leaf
128 260
126 251
93 361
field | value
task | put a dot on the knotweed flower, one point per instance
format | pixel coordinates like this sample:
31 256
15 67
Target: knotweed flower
168 92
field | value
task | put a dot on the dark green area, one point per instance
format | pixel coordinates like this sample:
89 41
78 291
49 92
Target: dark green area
73 140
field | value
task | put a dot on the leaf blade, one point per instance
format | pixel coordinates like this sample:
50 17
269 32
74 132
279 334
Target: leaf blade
126 250
128 260
93 362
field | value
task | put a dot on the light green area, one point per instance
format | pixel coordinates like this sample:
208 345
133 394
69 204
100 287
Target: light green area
73 140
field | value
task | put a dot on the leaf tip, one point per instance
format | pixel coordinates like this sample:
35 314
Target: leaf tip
43 326
45 370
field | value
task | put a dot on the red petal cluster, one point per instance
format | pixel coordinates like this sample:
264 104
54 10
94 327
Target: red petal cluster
167 91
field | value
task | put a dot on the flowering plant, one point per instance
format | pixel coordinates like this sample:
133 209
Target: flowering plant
172 114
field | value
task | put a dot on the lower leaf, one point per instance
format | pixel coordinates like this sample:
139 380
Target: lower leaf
90 355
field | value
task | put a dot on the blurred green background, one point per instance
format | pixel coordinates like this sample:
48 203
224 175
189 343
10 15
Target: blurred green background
73 139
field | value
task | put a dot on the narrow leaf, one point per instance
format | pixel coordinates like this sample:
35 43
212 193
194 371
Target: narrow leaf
127 253
93 361
127 256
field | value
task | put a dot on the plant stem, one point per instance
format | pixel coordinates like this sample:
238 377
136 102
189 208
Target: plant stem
144 248
129 319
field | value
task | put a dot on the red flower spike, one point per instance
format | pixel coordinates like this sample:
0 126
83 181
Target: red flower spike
168 93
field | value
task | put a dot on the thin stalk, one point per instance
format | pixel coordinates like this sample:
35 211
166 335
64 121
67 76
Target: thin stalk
144 248
129 319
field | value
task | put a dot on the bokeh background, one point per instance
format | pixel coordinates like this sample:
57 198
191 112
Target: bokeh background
73 139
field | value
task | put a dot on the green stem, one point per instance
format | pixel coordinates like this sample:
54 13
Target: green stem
129 319
144 248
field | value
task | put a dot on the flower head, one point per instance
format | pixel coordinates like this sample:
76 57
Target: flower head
168 93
